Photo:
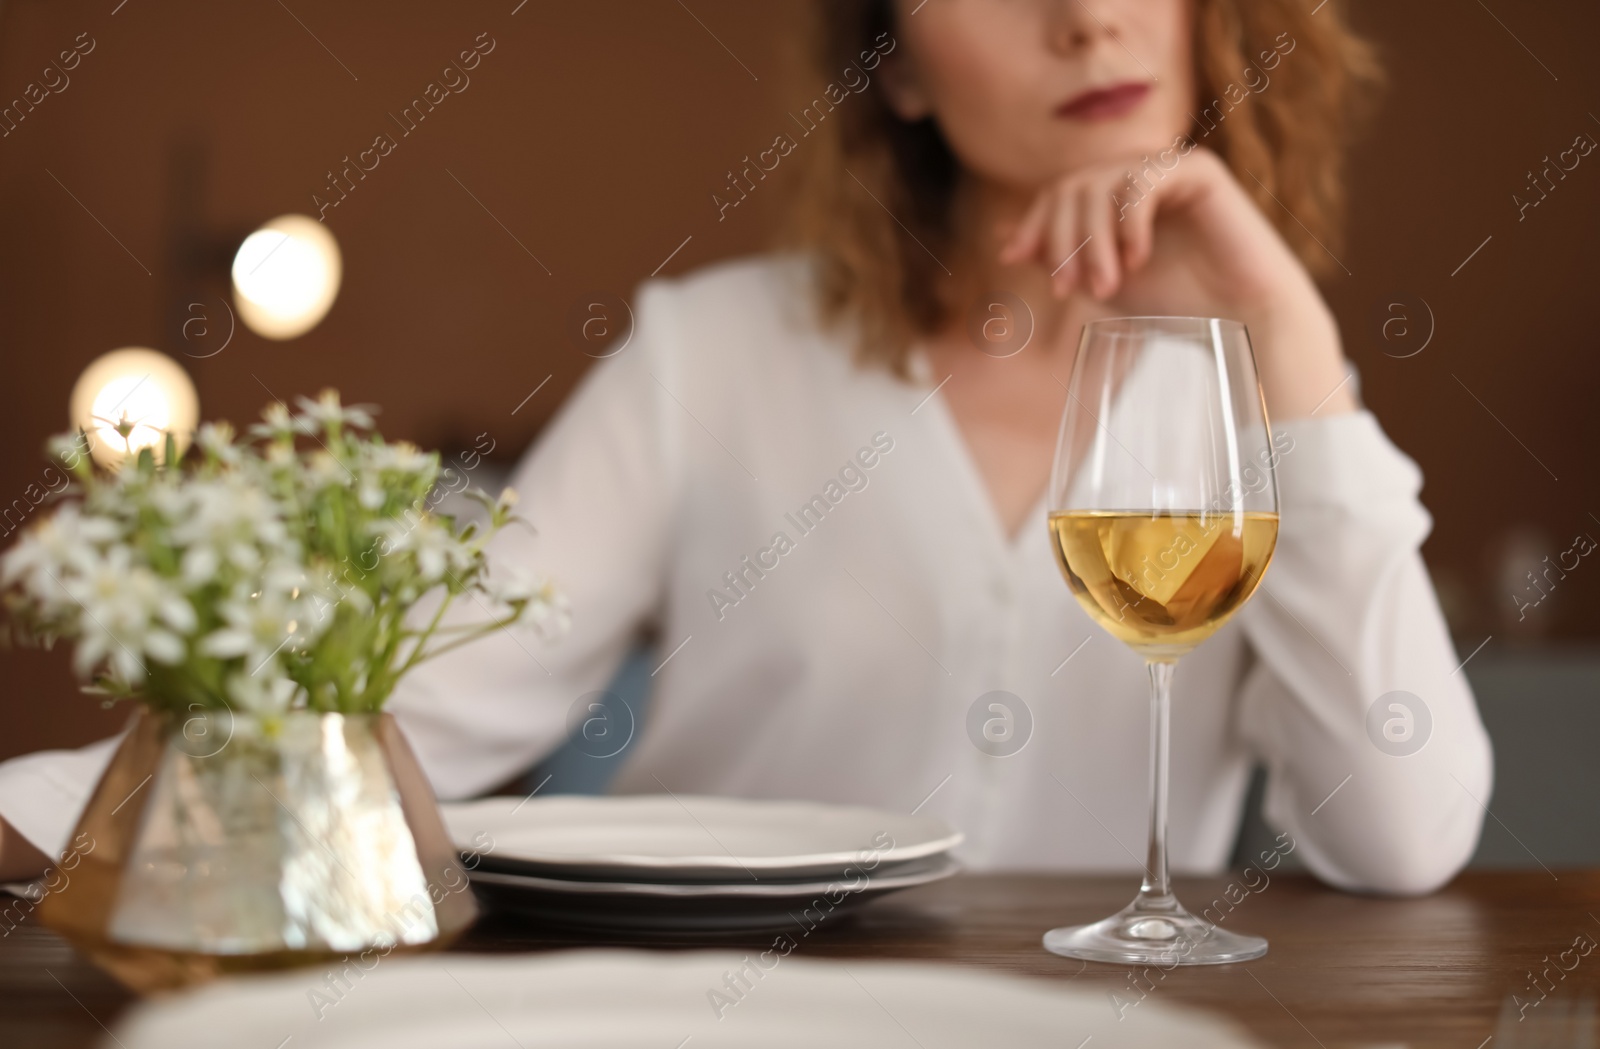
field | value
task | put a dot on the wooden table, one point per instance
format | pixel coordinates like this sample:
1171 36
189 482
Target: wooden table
1343 970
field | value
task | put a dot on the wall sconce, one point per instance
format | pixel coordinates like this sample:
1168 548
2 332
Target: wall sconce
285 276
133 398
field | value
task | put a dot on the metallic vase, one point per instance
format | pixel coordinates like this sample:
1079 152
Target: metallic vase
219 844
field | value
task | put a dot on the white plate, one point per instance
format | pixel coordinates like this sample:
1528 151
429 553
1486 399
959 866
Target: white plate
901 876
617 999
649 908
655 835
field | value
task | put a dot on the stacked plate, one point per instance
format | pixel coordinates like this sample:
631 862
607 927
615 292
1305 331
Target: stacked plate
680 863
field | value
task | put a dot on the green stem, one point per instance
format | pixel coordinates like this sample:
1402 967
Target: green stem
482 631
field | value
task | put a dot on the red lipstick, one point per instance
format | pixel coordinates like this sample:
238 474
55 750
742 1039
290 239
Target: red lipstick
1104 103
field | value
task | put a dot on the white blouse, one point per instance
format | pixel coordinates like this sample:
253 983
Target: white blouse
837 602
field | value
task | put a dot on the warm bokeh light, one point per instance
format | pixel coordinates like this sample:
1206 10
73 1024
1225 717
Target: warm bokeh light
285 276
131 399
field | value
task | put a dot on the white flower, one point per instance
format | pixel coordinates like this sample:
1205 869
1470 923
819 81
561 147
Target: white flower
216 440
508 587
285 576
402 456
277 423
256 627
69 449
326 411
325 471
513 599
549 612
129 613
199 565
266 692
67 541
437 552
231 515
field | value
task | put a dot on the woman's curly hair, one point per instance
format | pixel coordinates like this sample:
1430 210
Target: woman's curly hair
1290 135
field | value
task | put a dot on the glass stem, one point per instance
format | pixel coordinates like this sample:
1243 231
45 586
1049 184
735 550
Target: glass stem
1156 892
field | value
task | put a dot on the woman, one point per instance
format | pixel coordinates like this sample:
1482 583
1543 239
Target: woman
823 492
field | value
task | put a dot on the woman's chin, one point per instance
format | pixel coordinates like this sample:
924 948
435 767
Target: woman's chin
1104 145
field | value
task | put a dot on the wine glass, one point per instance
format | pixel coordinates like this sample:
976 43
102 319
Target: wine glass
1163 517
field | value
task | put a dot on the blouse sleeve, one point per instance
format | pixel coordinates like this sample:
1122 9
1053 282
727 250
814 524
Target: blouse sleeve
597 489
1378 765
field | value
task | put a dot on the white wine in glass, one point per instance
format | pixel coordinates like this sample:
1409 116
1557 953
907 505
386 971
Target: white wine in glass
1163 517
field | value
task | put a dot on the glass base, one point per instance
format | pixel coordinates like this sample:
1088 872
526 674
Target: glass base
1155 932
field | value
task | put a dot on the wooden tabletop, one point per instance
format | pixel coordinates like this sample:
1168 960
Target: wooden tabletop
1343 970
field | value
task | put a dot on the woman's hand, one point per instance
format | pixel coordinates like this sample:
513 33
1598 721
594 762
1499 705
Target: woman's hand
1193 243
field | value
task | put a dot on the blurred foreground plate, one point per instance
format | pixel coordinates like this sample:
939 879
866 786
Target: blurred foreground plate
688 838
606 999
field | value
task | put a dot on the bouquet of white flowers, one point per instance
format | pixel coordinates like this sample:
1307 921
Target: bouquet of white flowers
269 575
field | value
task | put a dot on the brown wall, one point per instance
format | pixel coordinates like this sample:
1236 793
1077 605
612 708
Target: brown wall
596 132
1513 478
